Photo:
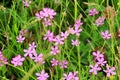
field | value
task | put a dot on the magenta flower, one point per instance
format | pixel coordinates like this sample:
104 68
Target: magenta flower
58 40
47 22
42 75
49 36
32 46
99 21
78 23
101 61
39 58
26 3
20 38
109 71
3 60
30 52
54 62
94 69
17 61
64 35
63 64
93 12
76 31
71 76
106 34
75 42
54 50
97 55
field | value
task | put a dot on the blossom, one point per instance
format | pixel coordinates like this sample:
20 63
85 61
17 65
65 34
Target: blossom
3 60
20 38
101 61
47 22
64 35
42 75
97 55
76 31
78 23
26 3
54 62
71 76
99 21
49 36
109 71
32 46
58 40
92 12
106 34
54 50
75 42
63 64
17 61
38 58
94 69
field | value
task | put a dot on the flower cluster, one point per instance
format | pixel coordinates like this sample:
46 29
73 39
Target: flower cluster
46 15
62 64
71 76
3 60
100 61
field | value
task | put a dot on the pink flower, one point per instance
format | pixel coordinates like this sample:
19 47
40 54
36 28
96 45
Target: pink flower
63 64
99 21
110 71
71 76
26 3
32 46
38 58
20 38
47 22
42 75
54 62
92 12
106 34
58 40
78 23
94 69
64 35
75 42
17 61
3 60
101 61
49 36
97 55
54 50
76 31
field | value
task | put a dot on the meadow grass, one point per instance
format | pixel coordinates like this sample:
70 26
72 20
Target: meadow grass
14 17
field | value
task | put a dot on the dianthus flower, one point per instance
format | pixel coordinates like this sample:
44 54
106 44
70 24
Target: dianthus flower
49 36
63 64
75 42
106 34
26 3
109 71
54 50
99 21
93 12
3 60
94 69
54 62
20 38
42 75
17 61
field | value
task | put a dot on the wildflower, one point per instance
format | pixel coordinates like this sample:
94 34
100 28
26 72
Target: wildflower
26 3
101 61
20 38
94 69
58 40
54 62
97 55
64 35
54 50
32 46
110 71
39 58
17 61
30 52
99 21
63 64
75 42
49 36
47 22
22 32
76 31
71 76
42 75
78 23
106 34
3 60
92 12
